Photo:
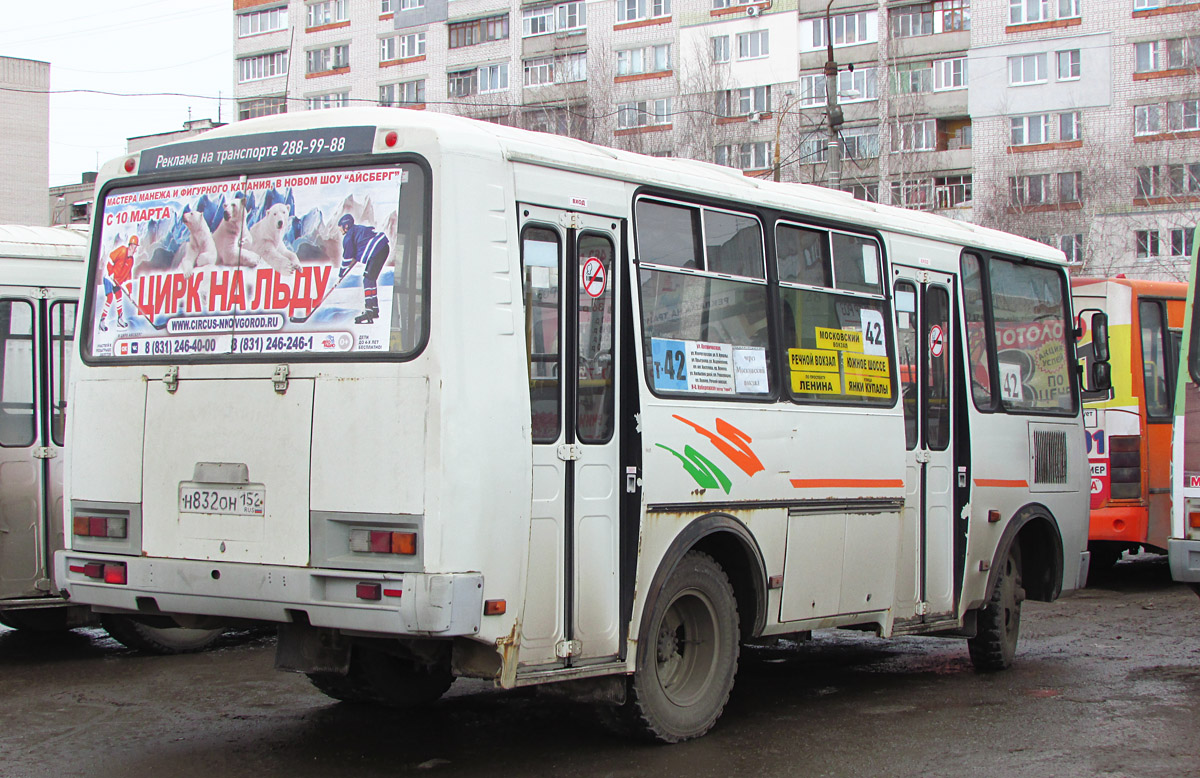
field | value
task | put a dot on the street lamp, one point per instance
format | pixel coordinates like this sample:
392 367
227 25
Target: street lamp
833 178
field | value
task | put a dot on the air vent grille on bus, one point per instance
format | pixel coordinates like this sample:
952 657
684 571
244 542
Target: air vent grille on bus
1049 457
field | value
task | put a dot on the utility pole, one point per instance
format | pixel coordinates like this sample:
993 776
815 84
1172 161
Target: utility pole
833 178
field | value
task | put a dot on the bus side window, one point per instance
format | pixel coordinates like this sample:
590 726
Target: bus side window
1154 361
16 374
978 356
906 338
595 396
62 351
541 256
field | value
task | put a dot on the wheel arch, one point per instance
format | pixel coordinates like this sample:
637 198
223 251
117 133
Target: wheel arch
1035 531
730 543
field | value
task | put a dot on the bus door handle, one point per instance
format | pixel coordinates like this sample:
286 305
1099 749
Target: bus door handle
631 480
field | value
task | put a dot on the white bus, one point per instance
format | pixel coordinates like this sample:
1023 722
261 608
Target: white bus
591 417
1183 542
41 272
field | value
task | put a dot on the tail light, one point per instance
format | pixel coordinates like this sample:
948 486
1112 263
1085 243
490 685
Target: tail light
113 573
1125 466
100 526
372 541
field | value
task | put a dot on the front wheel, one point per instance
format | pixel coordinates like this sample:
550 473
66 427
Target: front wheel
158 640
687 654
999 622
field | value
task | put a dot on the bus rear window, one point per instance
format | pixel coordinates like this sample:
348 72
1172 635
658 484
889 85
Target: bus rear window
326 262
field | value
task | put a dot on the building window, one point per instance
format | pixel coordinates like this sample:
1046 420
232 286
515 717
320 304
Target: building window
407 93
912 78
950 74
463 83
1029 130
1147 183
1068 65
1147 243
327 12
742 102
1183 53
1030 190
865 192
1147 119
1183 115
1146 57
330 58
848 30
1072 246
951 191
1070 187
1182 242
1027 69
719 4
916 194
753 45
720 48
744 156
1068 126
633 10
1028 11
538 20
491 28
402 47
651 59
571 16
911 21
860 142
556 70
1068 9
1185 179
262 66
916 136
409 5
261 106
385 7
493 78
952 15
855 86
331 100
257 22
644 113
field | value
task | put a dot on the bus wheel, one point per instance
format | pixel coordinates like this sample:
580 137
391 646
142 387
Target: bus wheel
999 624
384 679
158 640
688 653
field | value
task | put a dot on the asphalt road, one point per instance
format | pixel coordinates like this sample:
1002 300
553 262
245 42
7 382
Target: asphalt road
1106 683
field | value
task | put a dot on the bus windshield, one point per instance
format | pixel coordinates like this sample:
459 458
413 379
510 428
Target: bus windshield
325 262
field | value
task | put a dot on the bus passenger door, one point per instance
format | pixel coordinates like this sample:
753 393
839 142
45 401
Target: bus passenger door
570 288
925 331
30 465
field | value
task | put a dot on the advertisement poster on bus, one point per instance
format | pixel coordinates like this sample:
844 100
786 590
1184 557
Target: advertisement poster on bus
272 264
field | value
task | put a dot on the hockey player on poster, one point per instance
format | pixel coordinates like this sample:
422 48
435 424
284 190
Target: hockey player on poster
117 274
361 243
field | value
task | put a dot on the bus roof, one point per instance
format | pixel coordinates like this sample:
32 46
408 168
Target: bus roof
19 241
717 181
1141 286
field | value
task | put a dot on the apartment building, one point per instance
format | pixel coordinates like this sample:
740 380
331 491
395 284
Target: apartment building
742 83
25 127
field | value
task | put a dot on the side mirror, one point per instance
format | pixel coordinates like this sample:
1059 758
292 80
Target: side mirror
1100 336
1099 377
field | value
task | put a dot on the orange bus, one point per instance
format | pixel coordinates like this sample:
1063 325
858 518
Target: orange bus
1129 432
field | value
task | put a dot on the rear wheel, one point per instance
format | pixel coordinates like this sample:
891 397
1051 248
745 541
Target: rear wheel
385 679
687 654
158 640
999 622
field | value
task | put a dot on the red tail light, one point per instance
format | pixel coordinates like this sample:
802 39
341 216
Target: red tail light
374 541
100 526
115 574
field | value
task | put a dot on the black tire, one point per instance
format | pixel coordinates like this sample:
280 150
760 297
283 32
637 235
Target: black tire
687 654
999 622
158 640
384 679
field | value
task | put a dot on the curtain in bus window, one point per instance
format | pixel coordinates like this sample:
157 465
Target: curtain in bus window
1028 314
540 255
978 359
733 244
1154 363
595 395
906 339
62 351
705 335
937 391
16 378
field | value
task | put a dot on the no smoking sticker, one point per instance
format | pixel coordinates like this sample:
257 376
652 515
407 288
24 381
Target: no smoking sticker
937 340
594 277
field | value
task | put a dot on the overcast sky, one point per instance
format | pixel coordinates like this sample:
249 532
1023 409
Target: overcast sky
149 48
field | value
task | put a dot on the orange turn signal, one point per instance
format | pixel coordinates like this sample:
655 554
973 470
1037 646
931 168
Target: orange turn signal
1194 520
494 607
404 543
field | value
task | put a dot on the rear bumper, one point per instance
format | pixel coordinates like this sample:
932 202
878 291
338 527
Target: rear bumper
1184 558
417 604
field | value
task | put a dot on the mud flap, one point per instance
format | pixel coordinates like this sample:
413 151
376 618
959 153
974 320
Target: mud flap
305 649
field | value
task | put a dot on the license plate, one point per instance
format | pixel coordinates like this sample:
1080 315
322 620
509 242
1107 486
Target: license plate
224 499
